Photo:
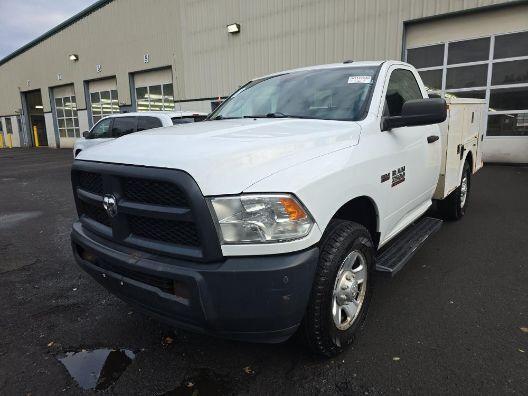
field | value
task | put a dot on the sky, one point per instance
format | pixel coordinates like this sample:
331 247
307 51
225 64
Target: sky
25 20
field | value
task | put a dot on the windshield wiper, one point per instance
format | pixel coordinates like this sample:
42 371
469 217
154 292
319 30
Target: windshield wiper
221 117
277 114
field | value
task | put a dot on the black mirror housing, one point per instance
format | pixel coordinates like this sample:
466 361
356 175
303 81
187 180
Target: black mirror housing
85 134
418 112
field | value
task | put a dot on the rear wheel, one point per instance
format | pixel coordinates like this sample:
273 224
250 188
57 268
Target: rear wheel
453 207
342 288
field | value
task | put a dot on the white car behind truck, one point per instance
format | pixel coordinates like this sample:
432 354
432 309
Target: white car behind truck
117 125
271 216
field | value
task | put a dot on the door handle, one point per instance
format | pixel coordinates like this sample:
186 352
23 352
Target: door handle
432 138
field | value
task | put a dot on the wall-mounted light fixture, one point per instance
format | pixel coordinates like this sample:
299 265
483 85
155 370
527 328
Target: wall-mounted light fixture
233 28
73 57
39 107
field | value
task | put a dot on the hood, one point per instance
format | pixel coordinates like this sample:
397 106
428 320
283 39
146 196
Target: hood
228 156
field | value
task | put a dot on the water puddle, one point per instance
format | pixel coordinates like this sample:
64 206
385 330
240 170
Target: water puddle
205 383
12 219
99 368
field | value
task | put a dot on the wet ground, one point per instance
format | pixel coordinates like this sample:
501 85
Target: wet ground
454 320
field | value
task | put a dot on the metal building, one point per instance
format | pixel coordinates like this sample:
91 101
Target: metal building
125 55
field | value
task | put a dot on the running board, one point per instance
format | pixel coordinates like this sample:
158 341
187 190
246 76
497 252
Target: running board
402 248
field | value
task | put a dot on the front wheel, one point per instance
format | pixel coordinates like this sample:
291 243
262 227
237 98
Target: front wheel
453 207
342 288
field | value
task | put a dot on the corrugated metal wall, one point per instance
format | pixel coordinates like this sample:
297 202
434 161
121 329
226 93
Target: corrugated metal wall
191 36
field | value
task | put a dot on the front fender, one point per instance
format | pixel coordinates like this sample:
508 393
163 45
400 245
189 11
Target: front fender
324 184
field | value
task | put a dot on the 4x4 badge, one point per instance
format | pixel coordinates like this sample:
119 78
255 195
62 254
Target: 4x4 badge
110 205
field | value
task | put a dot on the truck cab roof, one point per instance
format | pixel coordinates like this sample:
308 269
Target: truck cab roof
348 64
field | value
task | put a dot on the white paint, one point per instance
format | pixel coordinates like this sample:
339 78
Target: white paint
464 128
16 132
164 116
82 115
50 130
512 149
324 163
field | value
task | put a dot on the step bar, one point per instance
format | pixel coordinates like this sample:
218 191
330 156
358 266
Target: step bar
393 257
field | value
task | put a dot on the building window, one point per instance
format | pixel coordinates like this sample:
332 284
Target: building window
514 72
511 45
155 98
104 103
430 56
66 112
468 72
432 79
468 51
467 76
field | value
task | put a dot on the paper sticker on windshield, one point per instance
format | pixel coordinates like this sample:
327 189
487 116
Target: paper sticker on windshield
359 80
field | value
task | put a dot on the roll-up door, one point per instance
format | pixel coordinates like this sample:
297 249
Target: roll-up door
66 113
154 90
104 99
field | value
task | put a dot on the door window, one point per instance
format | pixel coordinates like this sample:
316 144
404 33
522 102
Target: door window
102 129
148 123
402 87
123 126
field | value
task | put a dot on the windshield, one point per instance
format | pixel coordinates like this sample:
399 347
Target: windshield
328 94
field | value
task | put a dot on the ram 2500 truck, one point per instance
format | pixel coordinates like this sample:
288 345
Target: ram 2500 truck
271 216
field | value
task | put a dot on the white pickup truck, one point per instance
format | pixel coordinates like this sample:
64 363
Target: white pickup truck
271 216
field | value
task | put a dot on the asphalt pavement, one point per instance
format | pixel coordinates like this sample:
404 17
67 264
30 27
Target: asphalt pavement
453 321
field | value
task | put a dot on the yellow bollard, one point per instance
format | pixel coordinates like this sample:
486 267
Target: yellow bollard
1 140
35 135
10 140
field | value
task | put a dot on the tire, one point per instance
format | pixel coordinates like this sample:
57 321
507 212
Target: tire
340 244
453 207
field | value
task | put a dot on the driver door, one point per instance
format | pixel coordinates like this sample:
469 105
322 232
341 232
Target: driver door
411 165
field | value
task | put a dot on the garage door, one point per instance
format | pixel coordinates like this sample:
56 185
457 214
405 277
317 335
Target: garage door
485 56
65 110
103 98
154 90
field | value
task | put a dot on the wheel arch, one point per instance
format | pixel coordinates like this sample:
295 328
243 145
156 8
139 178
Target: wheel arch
468 158
362 210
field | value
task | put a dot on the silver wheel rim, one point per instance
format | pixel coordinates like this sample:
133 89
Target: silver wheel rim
349 290
463 190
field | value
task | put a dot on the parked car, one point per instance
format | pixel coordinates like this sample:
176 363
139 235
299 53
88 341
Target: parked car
118 125
271 216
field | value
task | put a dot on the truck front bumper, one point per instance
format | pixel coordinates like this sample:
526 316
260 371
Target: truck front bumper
257 299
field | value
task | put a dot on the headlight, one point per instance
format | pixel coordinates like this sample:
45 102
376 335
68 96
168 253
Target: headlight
260 218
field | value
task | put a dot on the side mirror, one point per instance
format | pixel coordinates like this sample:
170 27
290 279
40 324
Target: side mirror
418 112
85 134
